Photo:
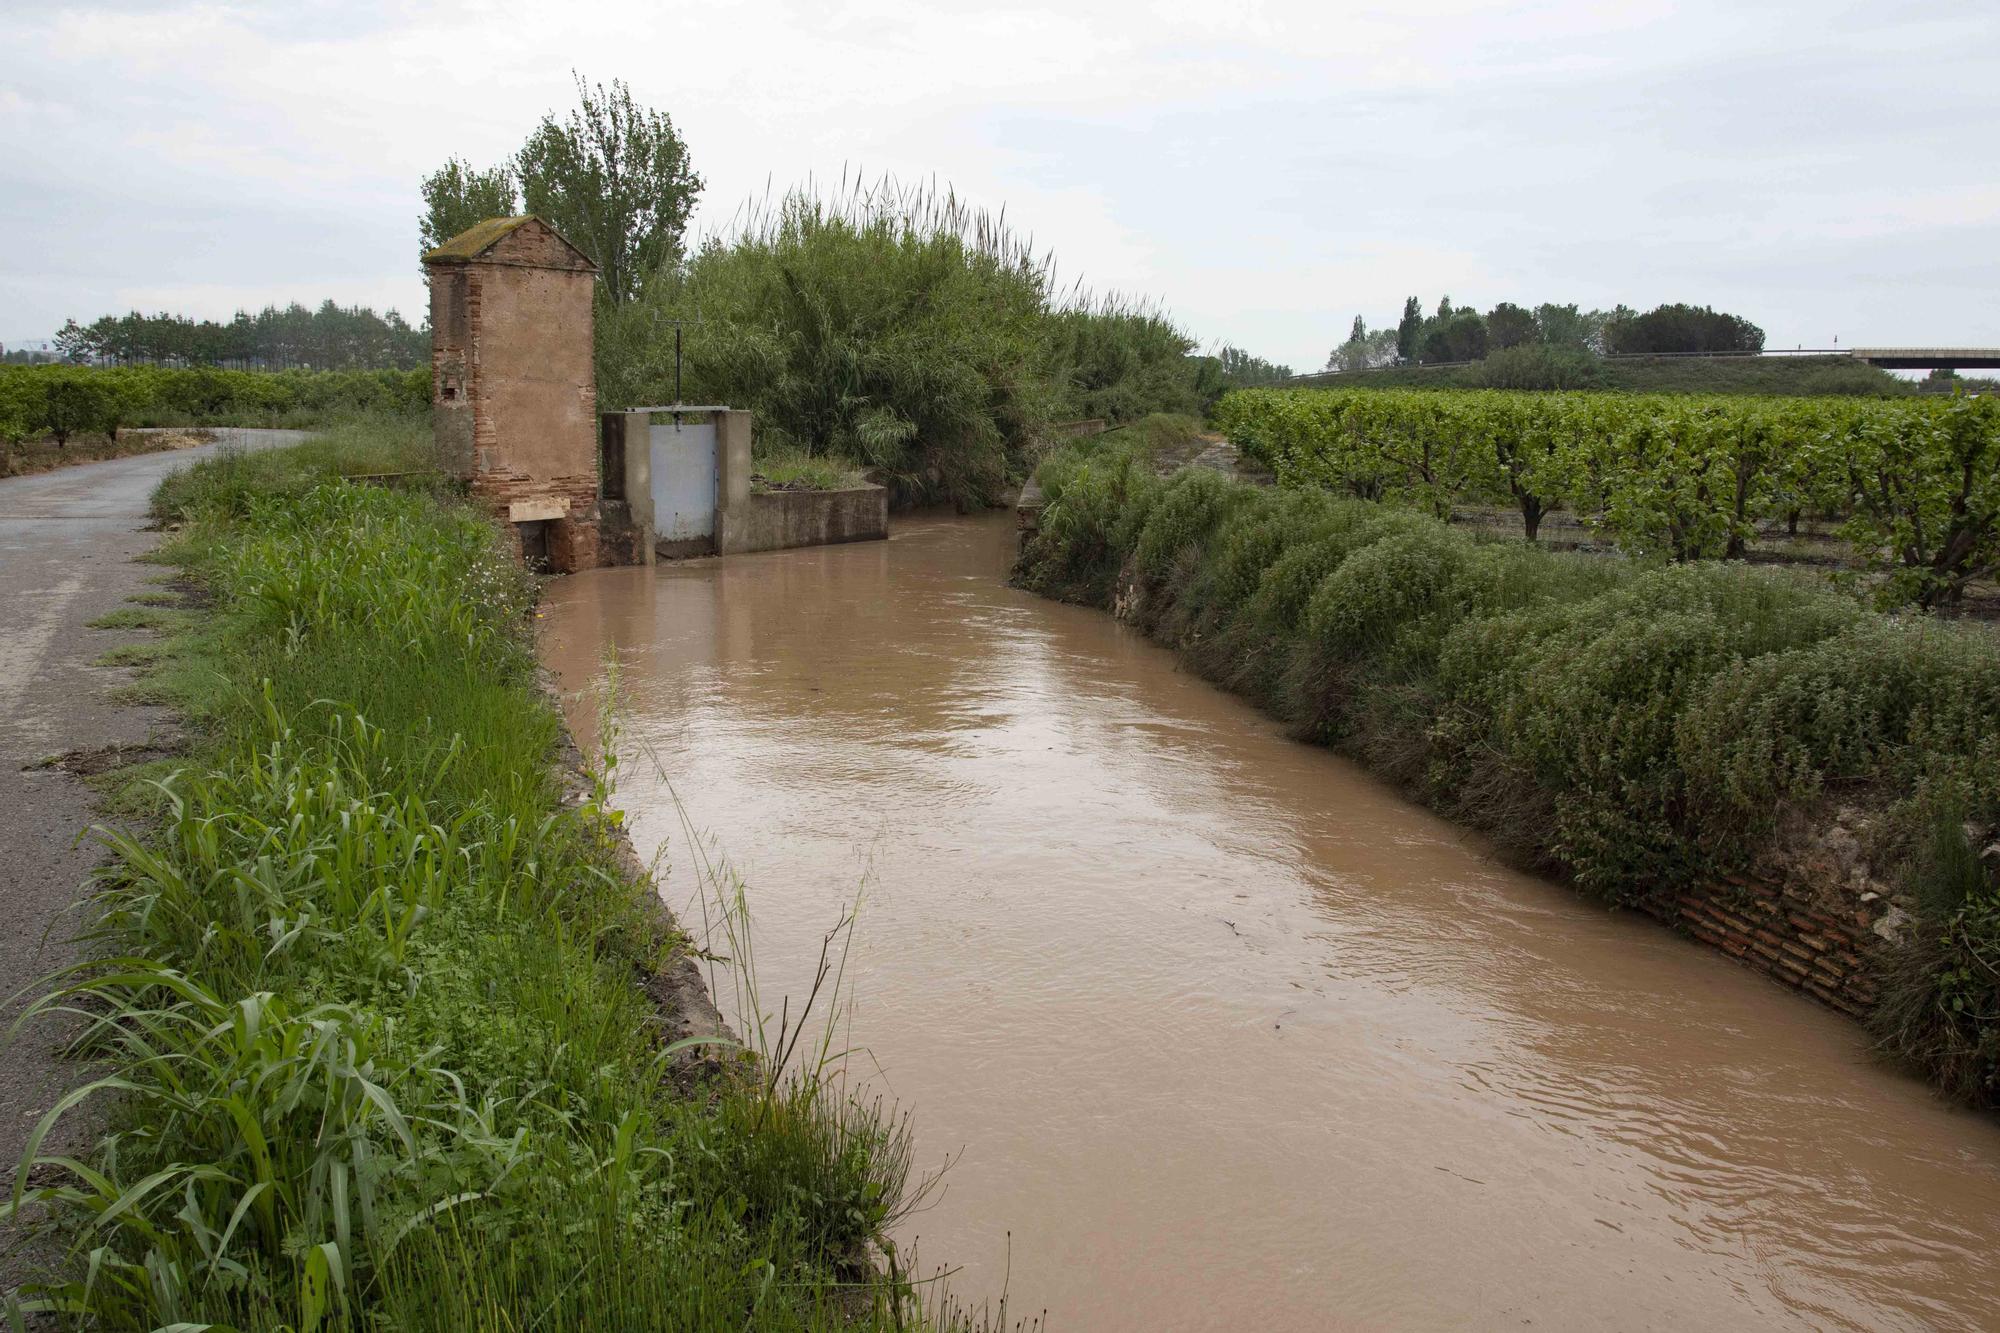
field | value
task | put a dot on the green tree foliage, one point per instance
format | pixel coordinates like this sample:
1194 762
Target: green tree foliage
1458 333
1453 335
76 343
615 179
901 330
1681 328
331 337
14 428
1567 326
1746 376
1540 366
74 403
1410 329
1924 491
1508 325
59 401
1364 350
1241 370
1677 476
1684 478
459 195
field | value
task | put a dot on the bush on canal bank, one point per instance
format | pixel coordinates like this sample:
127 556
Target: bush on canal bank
363 999
104 400
1640 729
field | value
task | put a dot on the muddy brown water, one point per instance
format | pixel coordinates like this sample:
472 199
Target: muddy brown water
1219 1032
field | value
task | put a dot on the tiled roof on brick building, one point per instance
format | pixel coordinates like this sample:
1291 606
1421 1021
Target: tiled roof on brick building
475 241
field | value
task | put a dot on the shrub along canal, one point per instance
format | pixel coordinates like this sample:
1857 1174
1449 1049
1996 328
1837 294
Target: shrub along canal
1220 1030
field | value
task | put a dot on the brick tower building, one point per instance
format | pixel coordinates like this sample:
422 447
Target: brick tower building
513 388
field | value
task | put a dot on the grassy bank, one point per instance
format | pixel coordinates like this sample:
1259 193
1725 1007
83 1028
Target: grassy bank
1637 728
363 1001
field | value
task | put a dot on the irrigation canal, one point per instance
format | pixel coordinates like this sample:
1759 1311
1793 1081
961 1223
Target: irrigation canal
1220 1032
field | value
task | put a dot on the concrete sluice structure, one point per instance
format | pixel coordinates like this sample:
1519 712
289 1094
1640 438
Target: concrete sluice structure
678 483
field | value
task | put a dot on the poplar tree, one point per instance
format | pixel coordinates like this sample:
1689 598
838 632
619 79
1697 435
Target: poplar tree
458 195
1410 329
614 178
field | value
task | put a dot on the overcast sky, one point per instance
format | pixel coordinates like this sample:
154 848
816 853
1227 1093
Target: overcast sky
1264 170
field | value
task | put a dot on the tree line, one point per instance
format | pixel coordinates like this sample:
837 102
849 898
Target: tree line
332 337
1453 334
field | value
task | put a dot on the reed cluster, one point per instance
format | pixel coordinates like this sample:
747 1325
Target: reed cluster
900 330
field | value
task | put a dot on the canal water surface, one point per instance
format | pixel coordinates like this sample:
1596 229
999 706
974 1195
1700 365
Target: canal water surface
1218 1032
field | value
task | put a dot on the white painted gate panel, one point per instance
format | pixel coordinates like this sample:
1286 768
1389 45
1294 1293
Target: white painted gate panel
684 475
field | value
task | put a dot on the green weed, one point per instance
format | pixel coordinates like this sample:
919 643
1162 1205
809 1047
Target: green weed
778 468
132 654
137 617
363 998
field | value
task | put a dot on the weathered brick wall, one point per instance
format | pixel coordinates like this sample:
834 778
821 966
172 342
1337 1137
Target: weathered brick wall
1788 933
573 539
533 390
514 395
454 301
537 246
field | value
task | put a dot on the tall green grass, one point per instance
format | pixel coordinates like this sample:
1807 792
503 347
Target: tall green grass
226 488
364 996
777 467
1637 728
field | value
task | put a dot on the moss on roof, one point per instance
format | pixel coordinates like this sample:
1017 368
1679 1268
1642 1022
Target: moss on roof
476 240
472 243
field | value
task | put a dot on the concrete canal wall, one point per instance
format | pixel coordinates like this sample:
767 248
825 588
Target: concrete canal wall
779 520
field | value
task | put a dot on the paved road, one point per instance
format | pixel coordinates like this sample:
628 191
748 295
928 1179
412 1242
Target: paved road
68 540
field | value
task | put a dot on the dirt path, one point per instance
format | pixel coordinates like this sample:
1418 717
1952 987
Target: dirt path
68 540
1215 452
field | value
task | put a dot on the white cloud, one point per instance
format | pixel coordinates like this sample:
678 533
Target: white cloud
1266 169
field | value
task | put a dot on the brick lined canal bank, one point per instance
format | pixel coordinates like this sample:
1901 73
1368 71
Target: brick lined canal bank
1220 1029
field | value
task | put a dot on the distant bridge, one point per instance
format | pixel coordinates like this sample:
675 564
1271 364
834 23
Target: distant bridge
1889 358
1929 358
